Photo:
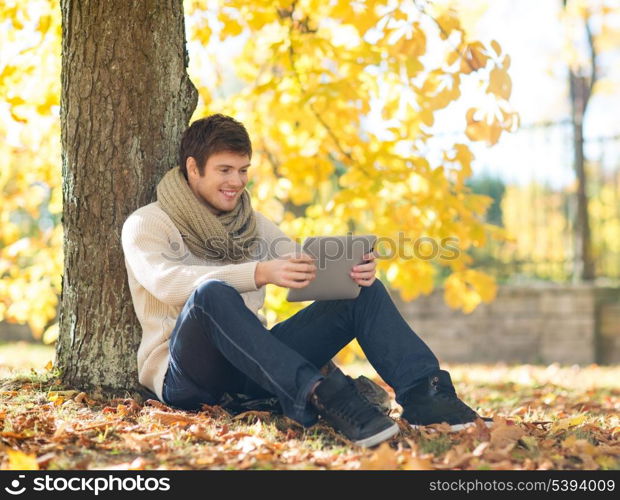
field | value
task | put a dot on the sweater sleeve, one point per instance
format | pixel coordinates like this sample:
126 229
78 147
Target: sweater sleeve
146 245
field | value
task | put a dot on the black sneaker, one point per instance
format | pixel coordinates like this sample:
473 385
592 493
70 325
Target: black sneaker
374 393
337 400
435 401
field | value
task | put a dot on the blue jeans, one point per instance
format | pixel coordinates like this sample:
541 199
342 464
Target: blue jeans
218 345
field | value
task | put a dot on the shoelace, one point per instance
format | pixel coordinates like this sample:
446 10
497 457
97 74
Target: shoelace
354 407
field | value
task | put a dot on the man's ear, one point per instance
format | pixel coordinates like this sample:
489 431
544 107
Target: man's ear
191 166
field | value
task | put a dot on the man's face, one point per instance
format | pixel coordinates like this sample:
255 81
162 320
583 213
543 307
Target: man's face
225 173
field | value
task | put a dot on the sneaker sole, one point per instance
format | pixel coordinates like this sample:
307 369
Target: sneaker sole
456 427
379 437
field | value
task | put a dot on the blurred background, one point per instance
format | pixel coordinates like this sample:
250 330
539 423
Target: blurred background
546 290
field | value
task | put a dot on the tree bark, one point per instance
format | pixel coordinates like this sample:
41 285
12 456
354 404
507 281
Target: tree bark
126 99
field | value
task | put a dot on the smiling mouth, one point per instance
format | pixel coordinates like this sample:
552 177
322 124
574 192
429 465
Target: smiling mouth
229 195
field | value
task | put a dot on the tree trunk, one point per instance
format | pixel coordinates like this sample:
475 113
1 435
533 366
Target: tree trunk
580 91
583 262
126 99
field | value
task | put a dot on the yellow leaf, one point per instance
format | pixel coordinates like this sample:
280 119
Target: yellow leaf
231 28
44 23
448 22
506 62
474 57
466 289
496 47
606 462
19 460
415 463
565 423
383 459
476 129
500 83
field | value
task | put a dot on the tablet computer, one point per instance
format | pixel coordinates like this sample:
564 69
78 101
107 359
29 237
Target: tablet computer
334 257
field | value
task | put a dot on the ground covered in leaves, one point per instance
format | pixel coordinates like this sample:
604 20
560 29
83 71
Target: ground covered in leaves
546 417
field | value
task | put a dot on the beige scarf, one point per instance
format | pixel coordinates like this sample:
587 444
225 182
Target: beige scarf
229 237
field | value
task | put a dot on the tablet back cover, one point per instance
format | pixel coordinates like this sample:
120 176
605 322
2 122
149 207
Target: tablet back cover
335 257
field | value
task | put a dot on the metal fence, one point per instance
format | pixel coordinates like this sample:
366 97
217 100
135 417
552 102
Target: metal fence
538 203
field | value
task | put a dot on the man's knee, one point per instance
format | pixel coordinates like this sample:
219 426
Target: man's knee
213 290
374 291
376 286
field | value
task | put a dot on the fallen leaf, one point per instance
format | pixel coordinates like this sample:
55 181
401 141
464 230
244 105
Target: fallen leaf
504 433
127 405
172 418
15 435
261 415
201 433
417 463
44 460
19 460
234 435
455 457
569 442
606 462
65 394
384 458
565 423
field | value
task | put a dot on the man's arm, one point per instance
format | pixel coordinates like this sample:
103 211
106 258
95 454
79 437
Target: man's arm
146 245
278 244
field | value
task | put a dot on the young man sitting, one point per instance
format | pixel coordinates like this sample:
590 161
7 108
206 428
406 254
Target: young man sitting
198 260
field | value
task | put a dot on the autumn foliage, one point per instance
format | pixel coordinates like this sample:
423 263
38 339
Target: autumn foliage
341 99
544 418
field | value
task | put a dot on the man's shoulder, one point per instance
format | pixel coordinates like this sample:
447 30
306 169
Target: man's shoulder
260 217
264 223
149 214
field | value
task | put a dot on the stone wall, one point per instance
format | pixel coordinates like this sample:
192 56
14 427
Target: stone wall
527 324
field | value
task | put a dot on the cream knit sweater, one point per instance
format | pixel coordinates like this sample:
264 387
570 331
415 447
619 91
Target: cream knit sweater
162 273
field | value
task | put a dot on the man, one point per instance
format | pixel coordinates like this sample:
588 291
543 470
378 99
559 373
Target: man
198 260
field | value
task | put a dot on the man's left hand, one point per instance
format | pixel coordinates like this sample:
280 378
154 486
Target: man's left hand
364 274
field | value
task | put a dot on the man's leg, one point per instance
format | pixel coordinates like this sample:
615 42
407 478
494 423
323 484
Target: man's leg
395 351
401 358
218 344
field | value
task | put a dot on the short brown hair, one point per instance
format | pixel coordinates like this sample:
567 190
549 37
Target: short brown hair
213 134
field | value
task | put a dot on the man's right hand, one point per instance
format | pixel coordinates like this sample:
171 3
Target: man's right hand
292 270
